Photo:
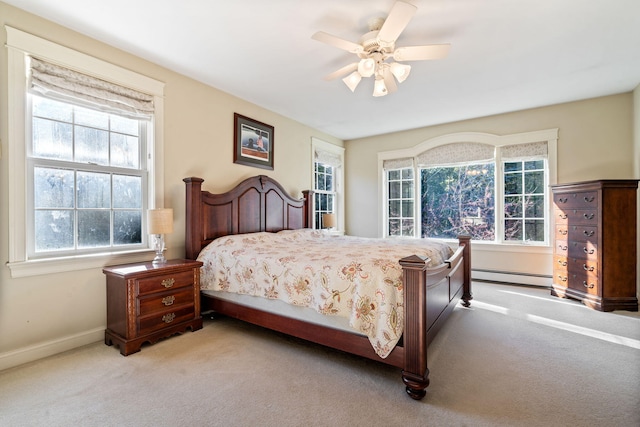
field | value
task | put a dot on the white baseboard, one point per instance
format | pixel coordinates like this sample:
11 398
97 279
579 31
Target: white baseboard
508 277
49 348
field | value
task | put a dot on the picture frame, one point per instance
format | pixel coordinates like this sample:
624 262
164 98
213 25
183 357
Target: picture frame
252 142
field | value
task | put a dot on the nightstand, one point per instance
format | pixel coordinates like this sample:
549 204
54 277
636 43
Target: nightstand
147 302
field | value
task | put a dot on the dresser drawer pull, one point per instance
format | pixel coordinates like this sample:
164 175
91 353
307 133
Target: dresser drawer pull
589 233
562 248
167 283
591 286
589 251
168 318
563 216
562 263
563 200
168 300
563 232
587 268
588 216
589 199
562 279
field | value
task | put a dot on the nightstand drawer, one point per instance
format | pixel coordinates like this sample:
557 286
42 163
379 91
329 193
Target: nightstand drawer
162 302
165 282
161 320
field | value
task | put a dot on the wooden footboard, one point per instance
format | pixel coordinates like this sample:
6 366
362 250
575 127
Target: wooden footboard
438 289
260 204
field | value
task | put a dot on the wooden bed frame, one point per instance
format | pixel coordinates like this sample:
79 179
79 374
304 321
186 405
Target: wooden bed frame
261 204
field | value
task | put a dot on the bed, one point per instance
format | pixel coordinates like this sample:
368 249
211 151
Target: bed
259 208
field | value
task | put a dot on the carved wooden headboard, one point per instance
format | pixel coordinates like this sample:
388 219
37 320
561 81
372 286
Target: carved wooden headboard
256 204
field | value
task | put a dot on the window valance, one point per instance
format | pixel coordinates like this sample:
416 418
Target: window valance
456 153
65 84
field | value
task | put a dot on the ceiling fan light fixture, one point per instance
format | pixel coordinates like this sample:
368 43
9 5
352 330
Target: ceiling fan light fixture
379 88
352 80
400 71
366 67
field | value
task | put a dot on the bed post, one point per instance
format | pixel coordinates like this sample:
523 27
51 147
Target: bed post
467 296
193 221
415 373
308 208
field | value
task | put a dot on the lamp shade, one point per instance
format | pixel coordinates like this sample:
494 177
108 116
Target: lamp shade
379 87
352 80
160 221
329 220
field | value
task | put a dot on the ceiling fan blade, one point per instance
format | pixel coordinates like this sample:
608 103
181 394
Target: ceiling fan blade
343 44
389 81
421 53
342 71
399 17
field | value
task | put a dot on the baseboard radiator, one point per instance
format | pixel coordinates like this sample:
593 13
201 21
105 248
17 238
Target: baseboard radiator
512 277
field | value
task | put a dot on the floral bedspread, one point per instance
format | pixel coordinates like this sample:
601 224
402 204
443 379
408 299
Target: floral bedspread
354 277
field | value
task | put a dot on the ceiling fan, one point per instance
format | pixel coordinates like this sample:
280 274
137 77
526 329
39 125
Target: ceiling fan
379 45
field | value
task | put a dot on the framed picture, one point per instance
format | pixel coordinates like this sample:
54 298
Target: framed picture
252 142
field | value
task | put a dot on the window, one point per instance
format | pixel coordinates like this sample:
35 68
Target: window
458 200
401 202
86 162
324 191
524 200
493 188
87 179
328 175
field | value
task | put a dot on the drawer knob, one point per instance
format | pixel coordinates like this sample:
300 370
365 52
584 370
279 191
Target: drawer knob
563 216
591 286
562 278
563 232
588 251
562 199
588 216
168 318
562 262
589 199
588 233
562 248
167 283
587 268
168 300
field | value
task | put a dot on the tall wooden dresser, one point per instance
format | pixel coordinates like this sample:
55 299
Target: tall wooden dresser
595 243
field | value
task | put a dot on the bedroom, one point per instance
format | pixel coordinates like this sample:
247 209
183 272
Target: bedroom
199 118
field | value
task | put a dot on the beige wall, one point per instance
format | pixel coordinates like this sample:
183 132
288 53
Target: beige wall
595 142
41 315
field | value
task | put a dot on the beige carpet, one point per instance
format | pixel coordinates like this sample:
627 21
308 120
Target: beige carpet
517 357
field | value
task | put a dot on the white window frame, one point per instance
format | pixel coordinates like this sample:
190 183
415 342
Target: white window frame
550 136
318 145
20 45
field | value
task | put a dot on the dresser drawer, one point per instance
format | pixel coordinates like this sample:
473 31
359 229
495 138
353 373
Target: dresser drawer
582 267
165 282
576 216
161 302
588 199
161 320
582 250
587 283
583 233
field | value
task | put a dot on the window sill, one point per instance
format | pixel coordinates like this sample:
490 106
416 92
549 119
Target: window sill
506 247
39 267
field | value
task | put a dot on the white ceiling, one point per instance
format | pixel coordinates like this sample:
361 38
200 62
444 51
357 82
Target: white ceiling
506 55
